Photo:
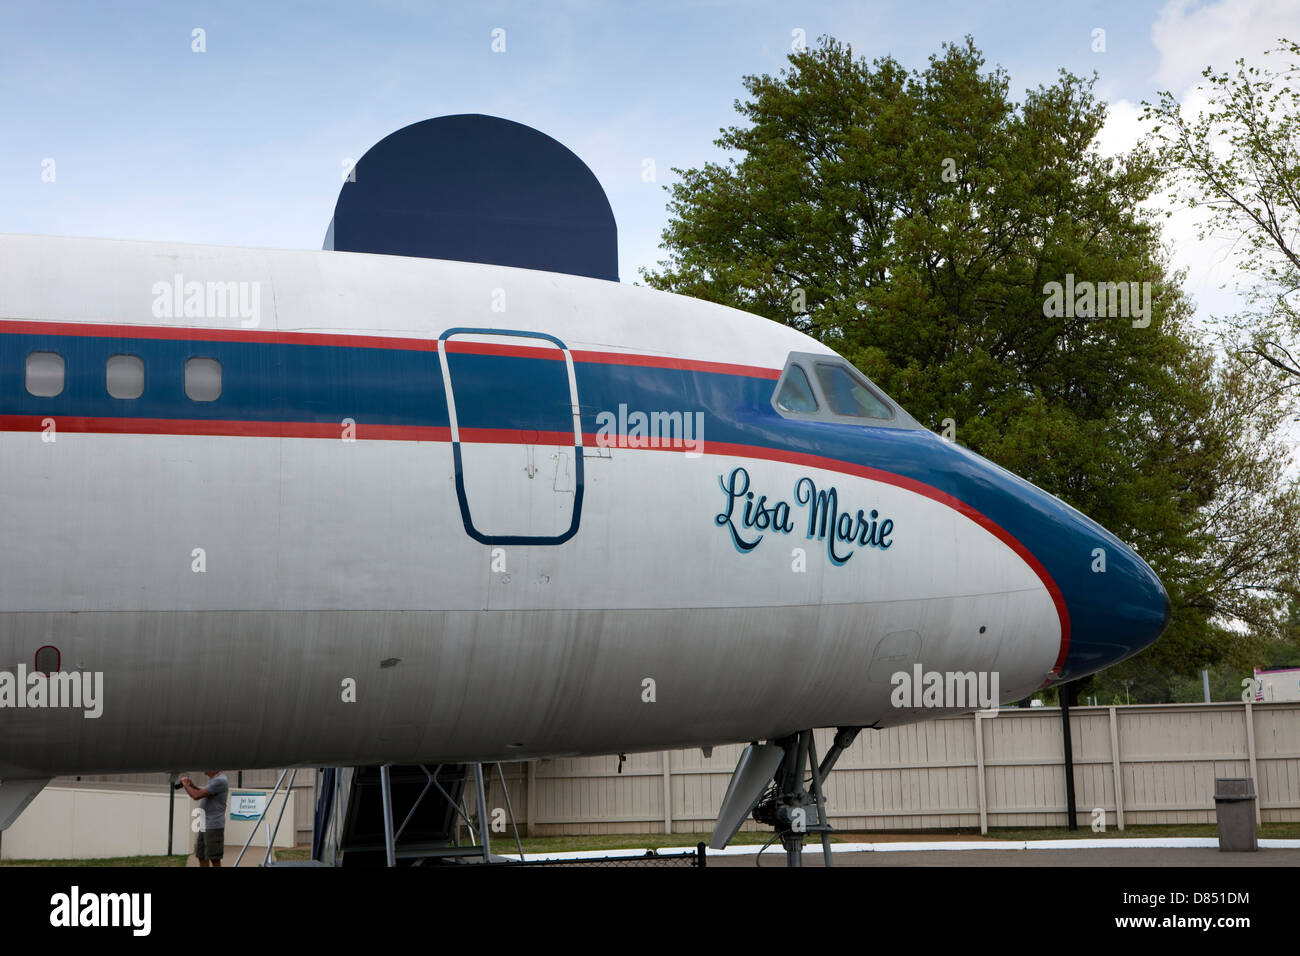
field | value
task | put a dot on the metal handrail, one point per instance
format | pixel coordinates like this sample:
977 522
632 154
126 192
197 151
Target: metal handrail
510 810
455 804
270 842
262 816
418 800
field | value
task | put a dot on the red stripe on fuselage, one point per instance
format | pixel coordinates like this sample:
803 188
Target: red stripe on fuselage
168 333
515 436
688 365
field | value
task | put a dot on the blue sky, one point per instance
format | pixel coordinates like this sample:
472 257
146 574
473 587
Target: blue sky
244 144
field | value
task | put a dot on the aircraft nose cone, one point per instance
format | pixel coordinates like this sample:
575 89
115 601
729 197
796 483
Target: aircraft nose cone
1115 613
1110 602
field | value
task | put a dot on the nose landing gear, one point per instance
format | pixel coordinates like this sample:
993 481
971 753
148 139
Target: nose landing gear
780 797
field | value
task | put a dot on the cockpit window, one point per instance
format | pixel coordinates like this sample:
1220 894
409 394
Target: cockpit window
847 396
822 387
796 394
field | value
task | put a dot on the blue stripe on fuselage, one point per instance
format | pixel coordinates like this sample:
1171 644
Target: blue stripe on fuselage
260 382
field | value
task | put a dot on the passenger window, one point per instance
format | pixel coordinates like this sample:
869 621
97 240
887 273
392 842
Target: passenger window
124 376
203 379
796 394
847 396
44 374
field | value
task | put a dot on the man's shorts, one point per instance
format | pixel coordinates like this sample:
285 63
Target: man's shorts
210 845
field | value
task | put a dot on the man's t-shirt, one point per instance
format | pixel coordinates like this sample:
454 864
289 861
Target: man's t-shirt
214 805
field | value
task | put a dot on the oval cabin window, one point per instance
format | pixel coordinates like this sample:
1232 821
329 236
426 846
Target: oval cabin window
45 374
125 376
203 379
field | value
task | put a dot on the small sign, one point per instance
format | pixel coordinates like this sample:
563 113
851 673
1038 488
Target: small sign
247 804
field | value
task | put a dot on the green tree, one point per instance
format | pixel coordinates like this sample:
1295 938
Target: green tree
913 222
1238 159
1237 576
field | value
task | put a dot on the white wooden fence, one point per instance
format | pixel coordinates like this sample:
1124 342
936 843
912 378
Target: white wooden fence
1139 764
1151 764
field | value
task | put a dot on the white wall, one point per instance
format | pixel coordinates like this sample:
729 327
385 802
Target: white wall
96 821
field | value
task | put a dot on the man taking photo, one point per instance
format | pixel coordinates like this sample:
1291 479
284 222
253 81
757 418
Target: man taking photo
210 846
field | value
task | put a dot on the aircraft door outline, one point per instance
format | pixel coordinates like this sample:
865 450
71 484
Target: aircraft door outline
530 450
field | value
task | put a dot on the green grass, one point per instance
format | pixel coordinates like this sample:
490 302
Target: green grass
505 842
174 860
297 853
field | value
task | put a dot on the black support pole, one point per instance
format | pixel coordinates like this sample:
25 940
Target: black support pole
171 811
1068 693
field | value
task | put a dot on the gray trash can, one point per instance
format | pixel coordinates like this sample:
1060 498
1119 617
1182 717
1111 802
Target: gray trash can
1234 807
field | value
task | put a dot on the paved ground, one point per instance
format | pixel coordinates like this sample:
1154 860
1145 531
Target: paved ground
1140 856
1179 858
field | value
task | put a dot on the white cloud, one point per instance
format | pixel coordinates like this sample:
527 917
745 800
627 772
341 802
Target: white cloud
1123 129
1189 37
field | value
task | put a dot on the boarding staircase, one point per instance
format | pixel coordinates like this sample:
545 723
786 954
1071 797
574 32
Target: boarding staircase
426 817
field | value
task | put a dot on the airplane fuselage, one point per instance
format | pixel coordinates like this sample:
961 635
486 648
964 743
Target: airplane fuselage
426 511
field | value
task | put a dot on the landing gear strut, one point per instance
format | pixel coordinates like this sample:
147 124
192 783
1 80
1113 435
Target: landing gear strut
787 806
